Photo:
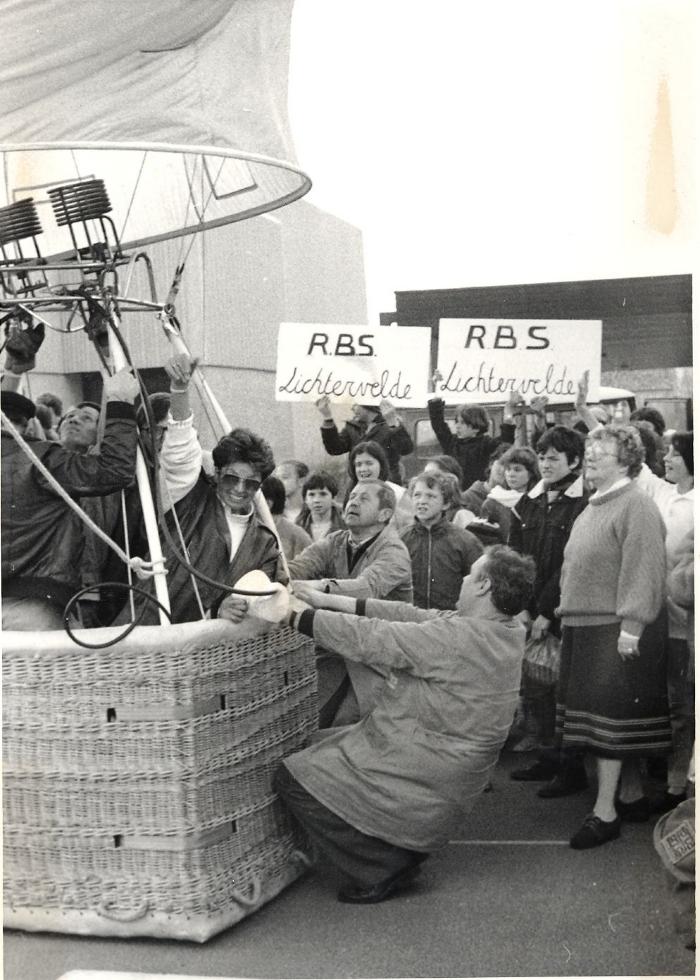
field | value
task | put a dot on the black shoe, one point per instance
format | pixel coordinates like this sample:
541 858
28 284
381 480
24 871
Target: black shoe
593 832
657 768
667 802
382 890
638 811
565 783
539 771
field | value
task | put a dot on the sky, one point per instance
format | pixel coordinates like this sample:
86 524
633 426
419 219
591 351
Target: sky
503 142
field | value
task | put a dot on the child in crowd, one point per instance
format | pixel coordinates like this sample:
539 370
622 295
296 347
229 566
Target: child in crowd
470 443
520 473
292 537
291 472
447 466
474 496
320 514
441 553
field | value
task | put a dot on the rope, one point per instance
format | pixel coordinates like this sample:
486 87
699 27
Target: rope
133 193
203 205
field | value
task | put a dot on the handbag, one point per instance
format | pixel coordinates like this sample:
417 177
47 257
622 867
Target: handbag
541 663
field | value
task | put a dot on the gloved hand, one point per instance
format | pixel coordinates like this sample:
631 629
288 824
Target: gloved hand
24 338
121 387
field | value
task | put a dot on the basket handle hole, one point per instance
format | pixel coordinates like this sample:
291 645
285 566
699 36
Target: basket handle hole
111 714
117 840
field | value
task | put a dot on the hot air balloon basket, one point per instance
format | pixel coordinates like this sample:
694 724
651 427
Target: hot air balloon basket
137 784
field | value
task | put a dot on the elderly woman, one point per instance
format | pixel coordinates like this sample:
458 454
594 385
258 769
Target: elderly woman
612 691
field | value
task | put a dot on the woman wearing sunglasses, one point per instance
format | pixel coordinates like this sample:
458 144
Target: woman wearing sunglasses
214 515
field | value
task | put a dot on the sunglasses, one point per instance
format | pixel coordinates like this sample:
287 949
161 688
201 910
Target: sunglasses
230 481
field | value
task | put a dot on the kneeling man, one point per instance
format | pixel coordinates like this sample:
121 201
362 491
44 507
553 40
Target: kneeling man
376 797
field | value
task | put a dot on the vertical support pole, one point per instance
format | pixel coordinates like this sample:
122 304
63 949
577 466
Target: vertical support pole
144 486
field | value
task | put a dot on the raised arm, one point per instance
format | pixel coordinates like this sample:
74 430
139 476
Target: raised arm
443 433
582 409
181 453
113 468
399 438
334 442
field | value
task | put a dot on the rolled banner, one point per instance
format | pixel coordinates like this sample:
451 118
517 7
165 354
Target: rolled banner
272 608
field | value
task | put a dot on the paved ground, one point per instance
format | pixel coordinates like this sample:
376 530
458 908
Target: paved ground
510 898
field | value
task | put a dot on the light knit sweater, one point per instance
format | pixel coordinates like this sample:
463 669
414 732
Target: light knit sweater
614 562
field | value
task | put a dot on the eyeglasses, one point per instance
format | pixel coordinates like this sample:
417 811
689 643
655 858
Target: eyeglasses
592 457
230 481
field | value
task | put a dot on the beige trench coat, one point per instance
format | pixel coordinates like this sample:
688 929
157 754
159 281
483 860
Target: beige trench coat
409 771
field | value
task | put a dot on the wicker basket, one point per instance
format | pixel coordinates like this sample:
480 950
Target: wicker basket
137 779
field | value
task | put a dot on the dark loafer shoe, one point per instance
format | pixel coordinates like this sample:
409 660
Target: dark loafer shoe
381 891
638 811
565 783
593 832
538 772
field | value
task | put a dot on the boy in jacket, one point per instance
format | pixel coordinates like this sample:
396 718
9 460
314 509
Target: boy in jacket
441 553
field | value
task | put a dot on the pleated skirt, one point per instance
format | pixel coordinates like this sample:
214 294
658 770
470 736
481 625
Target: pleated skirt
611 707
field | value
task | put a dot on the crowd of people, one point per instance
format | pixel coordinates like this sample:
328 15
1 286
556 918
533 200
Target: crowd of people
565 545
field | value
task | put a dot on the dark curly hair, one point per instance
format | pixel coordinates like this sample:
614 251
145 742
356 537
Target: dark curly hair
243 446
512 577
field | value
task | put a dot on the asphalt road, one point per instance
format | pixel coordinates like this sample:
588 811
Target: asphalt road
507 898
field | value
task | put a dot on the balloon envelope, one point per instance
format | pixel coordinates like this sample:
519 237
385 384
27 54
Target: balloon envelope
180 107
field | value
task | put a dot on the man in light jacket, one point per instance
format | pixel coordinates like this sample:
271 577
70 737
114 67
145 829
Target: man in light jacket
367 560
377 797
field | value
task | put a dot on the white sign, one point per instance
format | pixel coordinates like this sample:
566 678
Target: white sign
485 360
353 364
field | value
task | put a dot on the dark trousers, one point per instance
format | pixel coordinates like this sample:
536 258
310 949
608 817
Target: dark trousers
362 860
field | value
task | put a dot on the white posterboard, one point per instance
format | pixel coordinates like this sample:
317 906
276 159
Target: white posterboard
483 361
353 364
